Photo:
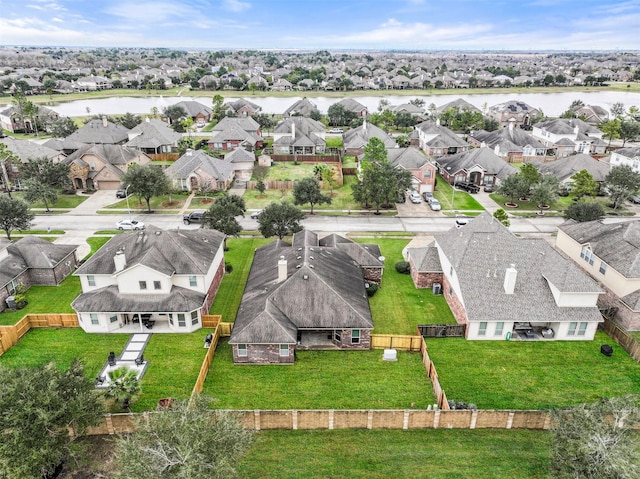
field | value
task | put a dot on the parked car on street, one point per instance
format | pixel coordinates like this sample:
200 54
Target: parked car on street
635 200
461 221
435 205
193 217
130 225
255 214
414 196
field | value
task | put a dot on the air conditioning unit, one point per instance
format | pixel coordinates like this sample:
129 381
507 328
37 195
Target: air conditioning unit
436 288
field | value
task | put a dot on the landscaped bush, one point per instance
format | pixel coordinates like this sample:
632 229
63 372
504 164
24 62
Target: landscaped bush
403 267
228 267
372 289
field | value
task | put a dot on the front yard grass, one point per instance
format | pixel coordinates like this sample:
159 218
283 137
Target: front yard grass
240 256
63 201
398 307
461 199
532 374
174 201
46 299
432 453
320 380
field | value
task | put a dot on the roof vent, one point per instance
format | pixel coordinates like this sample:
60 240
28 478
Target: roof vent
311 266
311 257
305 276
157 233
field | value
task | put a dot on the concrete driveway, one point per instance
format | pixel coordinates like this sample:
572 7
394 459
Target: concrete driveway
96 201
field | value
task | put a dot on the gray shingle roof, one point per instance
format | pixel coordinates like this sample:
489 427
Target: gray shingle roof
481 252
240 155
110 154
358 137
509 139
426 260
152 134
302 107
491 163
442 137
193 108
27 149
407 158
244 123
460 104
191 161
96 132
564 168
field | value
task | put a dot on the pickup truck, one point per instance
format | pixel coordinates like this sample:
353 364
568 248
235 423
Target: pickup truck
193 217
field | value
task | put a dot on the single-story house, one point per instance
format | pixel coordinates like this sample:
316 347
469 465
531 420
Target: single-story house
160 280
242 107
355 139
243 162
102 132
195 110
302 107
153 137
301 296
480 166
565 168
196 169
504 287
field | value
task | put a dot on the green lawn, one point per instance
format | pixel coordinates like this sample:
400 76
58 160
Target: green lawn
46 299
240 256
433 454
461 199
334 141
174 201
96 242
532 374
320 380
399 306
287 170
63 201
62 345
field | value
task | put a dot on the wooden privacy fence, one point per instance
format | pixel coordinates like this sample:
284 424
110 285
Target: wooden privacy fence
10 335
222 330
357 419
307 158
430 368
628 343
395 341
211 320
442 330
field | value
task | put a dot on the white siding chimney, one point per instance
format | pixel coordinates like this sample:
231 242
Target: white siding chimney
510 276
282 269
120 261
105 123
293 130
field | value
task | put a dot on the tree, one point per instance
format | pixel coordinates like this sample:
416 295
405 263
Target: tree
545 191
610 129
339 115
280 219
7 160
222 214
307 190
14 215
37 191
502 217
129 120
184 144
329 179
44 170
219 110
629 131
530 174
622 183
595 441
38 406
513 186
146 181
186 441
584 184
63 127
175 113
618 110
582 211
123 385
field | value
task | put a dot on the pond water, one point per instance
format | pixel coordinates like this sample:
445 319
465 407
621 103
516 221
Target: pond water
552 104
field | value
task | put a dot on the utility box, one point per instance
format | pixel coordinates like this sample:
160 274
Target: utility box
11 302
436 288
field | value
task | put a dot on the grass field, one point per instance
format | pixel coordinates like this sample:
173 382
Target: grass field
320 380
63 201
461 199
175 201
532 374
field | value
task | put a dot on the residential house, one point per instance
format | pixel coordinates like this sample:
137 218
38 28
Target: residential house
32 261
243 162
24 150
423 171
196 170
230 133
592 114
582 137
504 287
302 107
163 280
299 135
437 140
511 144
355 139
91 83
153 137
480 166
354 106
102 166
282 84
243 108
513 112
610 253
64 146
195 110
629 156
460 105
100 132
410 109
298 296
565 168
13 120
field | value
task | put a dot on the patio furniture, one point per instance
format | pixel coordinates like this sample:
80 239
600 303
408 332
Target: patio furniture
149 324
100 380
111 360
140 360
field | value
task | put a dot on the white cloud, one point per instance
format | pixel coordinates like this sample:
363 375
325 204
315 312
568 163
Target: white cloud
147 12
235 5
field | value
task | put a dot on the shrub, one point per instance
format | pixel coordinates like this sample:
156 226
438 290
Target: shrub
372 289
228 268
403 267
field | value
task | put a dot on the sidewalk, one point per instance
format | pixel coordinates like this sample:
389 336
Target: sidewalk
485 200
95 202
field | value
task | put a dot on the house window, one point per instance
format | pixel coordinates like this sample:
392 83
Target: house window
91 280
582 329
13 285
113 318
193 281
482 329
242 350
427 174
337 335
499 328
603 268
572 328
355 336
284 350
157 285
587 255
171 319
143 284
181 320
194 317
94 318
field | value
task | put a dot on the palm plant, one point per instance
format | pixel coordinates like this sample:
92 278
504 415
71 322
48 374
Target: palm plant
123 385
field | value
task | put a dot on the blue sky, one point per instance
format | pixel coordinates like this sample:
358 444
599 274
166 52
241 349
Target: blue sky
325 24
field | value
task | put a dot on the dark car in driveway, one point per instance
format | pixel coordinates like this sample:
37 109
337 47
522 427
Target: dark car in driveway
635 199
488 188
121 194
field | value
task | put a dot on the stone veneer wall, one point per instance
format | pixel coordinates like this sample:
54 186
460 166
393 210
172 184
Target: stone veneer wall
373 275
263 354
345 343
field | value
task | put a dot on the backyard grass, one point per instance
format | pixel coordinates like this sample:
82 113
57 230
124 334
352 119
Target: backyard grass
46 299
62 345
240 256
334 141
461 199
433 454
320 380
398 307
532 374
287 170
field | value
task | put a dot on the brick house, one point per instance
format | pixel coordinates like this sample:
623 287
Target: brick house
309 294
480 166
33 261
423 170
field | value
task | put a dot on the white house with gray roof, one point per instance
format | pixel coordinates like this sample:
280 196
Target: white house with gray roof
504 287
164 278
196 169
629 156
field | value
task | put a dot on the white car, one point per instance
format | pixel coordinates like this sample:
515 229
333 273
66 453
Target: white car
130 225
435 205
336 130
255 214
414 196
